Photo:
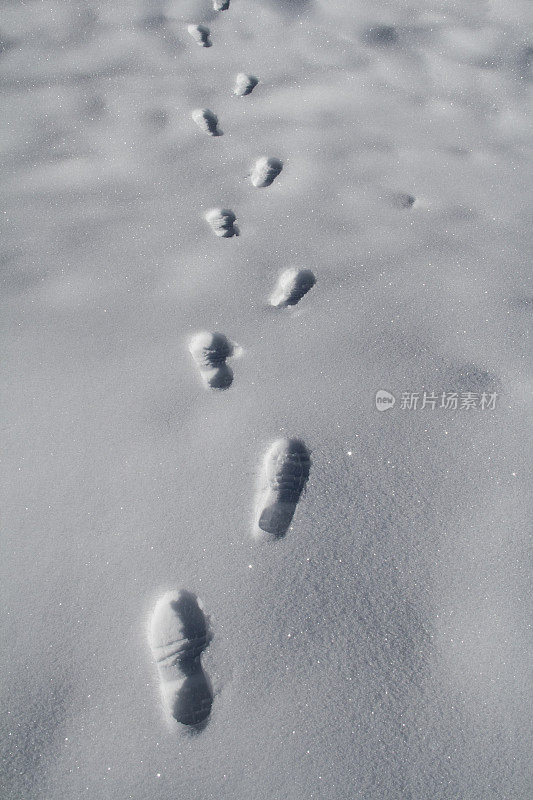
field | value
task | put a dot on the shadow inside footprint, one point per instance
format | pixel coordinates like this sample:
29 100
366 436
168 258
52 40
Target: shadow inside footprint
194 699
194 625
276 518
220 378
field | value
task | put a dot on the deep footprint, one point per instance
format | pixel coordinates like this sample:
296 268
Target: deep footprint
284 474
207 121
292 285
221 5
244 84
179 633
210 351
222 222
200 34
265 171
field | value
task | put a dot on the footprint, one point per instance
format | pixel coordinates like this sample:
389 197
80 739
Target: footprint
210 351
200 34
179 632
221 5
284 474
404 200
222 221
292 285
244 84
265 171
207 121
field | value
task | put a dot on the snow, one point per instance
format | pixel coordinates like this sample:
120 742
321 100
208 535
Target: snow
381 649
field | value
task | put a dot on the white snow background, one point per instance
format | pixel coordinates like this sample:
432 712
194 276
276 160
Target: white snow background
382 649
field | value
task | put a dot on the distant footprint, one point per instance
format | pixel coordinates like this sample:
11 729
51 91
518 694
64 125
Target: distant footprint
265 171
284 474
404 200
179 633
222 222
207 121
292 285
244 84
200 34
210 351
221 5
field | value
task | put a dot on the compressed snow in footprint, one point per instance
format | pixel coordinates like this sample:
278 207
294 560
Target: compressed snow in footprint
200 34
222 222
244 84
207 121
179 633
292 285
265 171
210 351
284 474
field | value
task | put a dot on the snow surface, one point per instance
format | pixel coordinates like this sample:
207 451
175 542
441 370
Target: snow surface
382 649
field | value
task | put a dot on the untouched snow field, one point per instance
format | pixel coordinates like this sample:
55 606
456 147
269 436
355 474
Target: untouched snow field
382 648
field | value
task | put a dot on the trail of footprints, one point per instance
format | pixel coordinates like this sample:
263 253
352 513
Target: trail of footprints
179 628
